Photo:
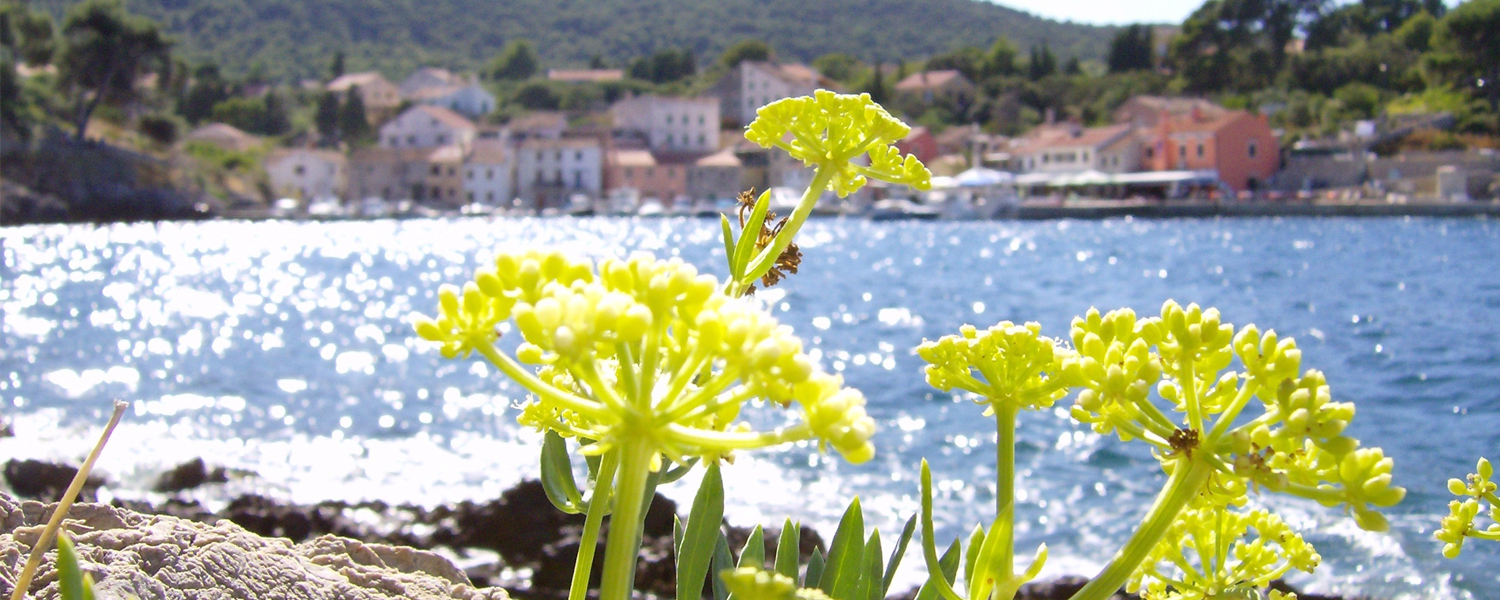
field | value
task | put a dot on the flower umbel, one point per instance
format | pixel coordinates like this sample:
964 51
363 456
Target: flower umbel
1459 524
828 131
1205 555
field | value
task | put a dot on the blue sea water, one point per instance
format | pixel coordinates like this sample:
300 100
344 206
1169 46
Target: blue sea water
282 350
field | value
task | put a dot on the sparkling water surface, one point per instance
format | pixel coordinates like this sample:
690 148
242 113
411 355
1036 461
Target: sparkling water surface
283 350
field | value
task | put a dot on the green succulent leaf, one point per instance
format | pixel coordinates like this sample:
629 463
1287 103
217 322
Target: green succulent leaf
722 562
897 554
557 476
701 536
814 573
845 555
754 552
789 549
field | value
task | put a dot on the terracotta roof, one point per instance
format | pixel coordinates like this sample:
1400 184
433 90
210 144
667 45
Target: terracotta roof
446 154
916 132
631 158
445 116
488 152
585 74
360 79
284 153
1066 136
1208 124
722 158
930 79
543 119
795 73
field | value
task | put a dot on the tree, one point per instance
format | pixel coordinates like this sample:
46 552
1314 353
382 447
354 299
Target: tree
275 120
1001 58
1073 67
743 50
105 54
207 90
516 62
336 70
538 96
837 66
597 62
967 60
1042 63
877 89
326 118
25 36
1131 50
1472 31
664 66
354 126
1239 44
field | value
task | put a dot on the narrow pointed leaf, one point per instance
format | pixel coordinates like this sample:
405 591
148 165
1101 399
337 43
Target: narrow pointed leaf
845 555
937 585
676 534
986 572
734 269
948 566
557 476
701 535
814 569
971 554
754 553
897 554
750 233
868 586
722 562
70 577
789 549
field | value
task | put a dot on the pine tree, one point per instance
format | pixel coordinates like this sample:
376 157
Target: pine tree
327 117
354 126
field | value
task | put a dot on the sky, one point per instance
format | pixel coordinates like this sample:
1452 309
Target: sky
1115 12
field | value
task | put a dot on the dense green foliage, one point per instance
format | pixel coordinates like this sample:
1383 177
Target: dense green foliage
295 38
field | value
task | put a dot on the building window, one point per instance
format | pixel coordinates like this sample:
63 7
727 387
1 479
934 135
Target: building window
700 119
1149 153
471 196
539 156
650 171
299 169
578 179
559 156
395 141
441 139
628 173
1200 150
702 141
489 173
489 196
411 140
469 173
669 119
1182 152
436 170
452 171
1252 148
578 156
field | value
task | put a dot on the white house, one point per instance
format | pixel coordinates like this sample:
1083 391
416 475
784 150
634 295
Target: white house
306 174
669 123
1070 148
470 100
424 126
430 77
751 85
487 173
549 171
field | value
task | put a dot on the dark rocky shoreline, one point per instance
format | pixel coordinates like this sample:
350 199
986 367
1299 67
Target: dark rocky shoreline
532 561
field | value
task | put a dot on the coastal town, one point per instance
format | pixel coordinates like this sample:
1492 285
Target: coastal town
656 154
1370 106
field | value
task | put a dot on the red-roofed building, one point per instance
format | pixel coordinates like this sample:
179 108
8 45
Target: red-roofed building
1071 148
1237 144
425 126
919 143
929 86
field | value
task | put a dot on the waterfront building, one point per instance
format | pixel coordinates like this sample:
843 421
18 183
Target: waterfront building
1148 111
716 176
1070 148
920 143
550 171
488 173
392 174
1238 145
305 173
670 124
424 126
541 124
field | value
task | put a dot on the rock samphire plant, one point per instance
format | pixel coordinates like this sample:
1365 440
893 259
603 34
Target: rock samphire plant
645 364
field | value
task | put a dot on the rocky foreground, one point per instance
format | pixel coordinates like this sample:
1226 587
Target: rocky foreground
258 547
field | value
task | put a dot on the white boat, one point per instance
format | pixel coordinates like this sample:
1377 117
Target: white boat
651 207
285 208
374 207
325 207
892 209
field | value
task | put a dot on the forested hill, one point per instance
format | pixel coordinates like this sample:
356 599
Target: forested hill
296 38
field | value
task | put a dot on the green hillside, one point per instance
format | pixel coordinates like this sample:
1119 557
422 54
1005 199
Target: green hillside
295 38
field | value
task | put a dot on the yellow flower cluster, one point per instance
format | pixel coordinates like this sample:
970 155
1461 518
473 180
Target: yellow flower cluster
643 348
1459 524
1006 363
1210 556
750 583
1295 446
827 131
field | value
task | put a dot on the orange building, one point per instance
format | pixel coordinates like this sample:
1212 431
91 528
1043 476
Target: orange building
1237 144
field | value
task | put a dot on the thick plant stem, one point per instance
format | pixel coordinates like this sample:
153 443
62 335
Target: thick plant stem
599 501
1005 488
763 261
1187 478
625 524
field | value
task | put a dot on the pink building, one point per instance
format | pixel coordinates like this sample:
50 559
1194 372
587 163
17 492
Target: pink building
1237 144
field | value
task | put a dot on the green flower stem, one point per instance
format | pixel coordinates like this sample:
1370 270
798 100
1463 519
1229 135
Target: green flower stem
585 372
1227 417
1189 378
539 387
1005 489
598 505
620 552
675 408
1187 478
739 440
1155 419
650 357
762 263
1480 534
